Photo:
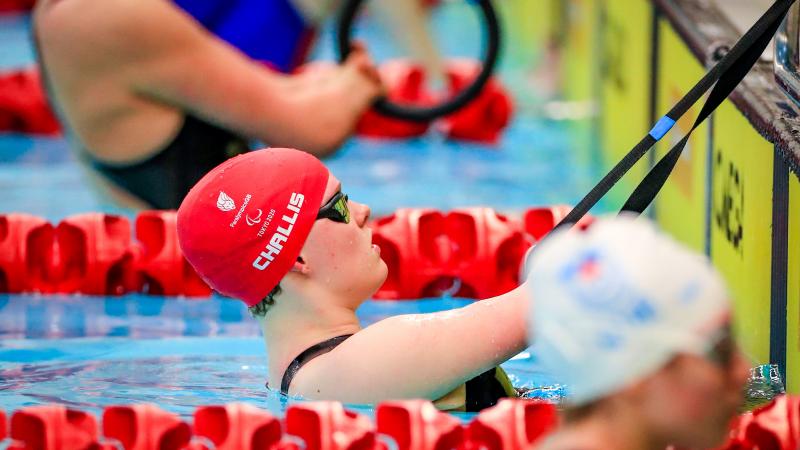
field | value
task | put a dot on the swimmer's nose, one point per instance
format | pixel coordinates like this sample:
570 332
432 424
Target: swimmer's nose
361 213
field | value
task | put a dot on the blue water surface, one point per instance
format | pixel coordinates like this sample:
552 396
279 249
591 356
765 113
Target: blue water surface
89 352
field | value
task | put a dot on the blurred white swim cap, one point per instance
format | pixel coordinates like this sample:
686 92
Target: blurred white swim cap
613 304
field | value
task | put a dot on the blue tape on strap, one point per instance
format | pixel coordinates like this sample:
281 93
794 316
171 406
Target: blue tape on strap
662 127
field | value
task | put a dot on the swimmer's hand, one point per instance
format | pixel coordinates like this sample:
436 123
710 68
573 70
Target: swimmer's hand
337 96
343 95
359 61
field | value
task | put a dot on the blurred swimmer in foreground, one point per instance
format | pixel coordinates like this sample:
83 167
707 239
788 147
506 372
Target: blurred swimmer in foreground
153 101
639 330
274 229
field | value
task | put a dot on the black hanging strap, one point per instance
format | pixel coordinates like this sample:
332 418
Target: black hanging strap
724 77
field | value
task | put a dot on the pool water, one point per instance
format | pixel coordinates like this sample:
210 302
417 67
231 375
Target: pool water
178 353
89 352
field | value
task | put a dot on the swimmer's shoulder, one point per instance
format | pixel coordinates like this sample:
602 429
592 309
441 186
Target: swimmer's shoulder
320 377
124 26
345 372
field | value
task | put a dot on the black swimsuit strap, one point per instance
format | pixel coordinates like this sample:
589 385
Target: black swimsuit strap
303 358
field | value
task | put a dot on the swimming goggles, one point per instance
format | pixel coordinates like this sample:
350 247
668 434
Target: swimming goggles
336 209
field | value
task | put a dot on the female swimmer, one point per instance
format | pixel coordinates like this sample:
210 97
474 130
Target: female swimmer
274 229
153 101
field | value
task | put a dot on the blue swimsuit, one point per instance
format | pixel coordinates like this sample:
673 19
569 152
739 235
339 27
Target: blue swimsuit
272 31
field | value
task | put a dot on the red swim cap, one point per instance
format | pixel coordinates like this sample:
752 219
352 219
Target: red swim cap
243 224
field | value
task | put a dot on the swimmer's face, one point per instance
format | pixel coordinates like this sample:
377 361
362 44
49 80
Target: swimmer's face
340 256
695 398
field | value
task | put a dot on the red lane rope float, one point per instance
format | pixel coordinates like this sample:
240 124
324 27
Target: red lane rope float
540 221
24 107
737 439
13 6
774 426
469 252
161 263
145 427
3 430
418 425
475 252
483 120
23 103
328 426
92 255
25 252
236 426
512 425
53 427
412 424
404 83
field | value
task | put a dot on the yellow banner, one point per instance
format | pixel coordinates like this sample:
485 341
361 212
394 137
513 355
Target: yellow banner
580 54
625 86
527 26
681 205
741 224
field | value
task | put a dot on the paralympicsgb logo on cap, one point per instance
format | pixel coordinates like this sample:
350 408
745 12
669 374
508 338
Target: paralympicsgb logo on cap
225 203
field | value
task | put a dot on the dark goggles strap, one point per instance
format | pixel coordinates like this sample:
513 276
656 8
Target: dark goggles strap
724 77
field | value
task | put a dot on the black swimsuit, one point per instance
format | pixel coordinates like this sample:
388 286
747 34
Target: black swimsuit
164 179
483 391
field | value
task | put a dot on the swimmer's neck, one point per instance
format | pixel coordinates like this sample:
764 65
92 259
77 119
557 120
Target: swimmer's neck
289 321
301 318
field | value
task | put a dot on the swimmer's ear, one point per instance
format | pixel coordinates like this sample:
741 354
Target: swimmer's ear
300 266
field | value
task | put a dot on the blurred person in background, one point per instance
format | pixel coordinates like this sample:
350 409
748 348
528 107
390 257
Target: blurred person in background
639 329
153 101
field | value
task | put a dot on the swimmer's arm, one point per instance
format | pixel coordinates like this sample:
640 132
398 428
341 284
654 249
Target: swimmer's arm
414 356
205 75
163 55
